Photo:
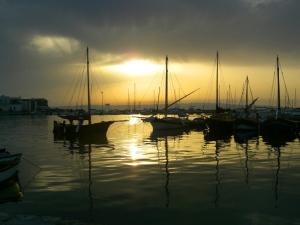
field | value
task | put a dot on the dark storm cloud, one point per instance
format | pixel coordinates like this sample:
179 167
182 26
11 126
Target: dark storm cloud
244 30
158 26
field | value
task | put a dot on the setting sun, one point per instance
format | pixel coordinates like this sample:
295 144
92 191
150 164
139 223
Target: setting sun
136 67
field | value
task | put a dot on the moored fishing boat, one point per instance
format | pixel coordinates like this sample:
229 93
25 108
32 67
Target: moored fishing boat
278 125
166 122
197 123
81 130
220 121
246 120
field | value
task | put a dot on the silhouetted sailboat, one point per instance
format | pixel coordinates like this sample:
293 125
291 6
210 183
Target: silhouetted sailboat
244 121
278 125
166 122
221 121
80 130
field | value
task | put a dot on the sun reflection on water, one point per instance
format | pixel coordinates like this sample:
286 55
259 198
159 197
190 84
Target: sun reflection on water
134 151
134 120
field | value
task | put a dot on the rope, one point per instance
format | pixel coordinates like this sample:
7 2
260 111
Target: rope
27 160
32 178
83 92
179 84
272 90
73 83
243 91
148 88
173 86
209 90
251 93
79 92
75 88
286 90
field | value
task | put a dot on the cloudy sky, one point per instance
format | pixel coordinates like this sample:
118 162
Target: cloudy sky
42 46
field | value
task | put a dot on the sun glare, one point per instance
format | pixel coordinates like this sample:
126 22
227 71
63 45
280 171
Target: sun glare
134 121
136 67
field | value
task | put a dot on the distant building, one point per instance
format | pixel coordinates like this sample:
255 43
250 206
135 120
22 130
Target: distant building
34 105
19 105
4 103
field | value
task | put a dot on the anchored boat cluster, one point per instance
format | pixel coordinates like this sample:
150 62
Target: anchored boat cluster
270 124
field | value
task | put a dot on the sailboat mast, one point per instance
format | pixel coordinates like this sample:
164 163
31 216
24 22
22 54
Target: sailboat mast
134 95
166 96
217 83
158 96
88 83
247 91
154 100
295 100
229 97
278 86
128 101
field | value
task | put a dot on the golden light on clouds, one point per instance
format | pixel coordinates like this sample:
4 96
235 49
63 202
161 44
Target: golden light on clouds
135 67
54 44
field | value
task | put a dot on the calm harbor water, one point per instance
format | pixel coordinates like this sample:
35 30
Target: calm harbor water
139 178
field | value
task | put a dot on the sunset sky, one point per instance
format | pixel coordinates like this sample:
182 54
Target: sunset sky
43 44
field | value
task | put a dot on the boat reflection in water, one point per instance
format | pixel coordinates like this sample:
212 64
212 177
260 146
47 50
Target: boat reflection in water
243 142
85 147
279 140
82 144
216 136
245 137
219 143
167 173
276 184
277 143
164 136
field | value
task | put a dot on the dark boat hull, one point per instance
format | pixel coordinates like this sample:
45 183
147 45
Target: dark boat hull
85 132
157 134
197 123
278 127
244 136
95 128
245 125
277 132
167 124
219 125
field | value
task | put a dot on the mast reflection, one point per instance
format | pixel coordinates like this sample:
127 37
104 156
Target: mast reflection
164 135
276 144
219 139
246 163
276 188
218 180
83 147
167 173
243 139
90 193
